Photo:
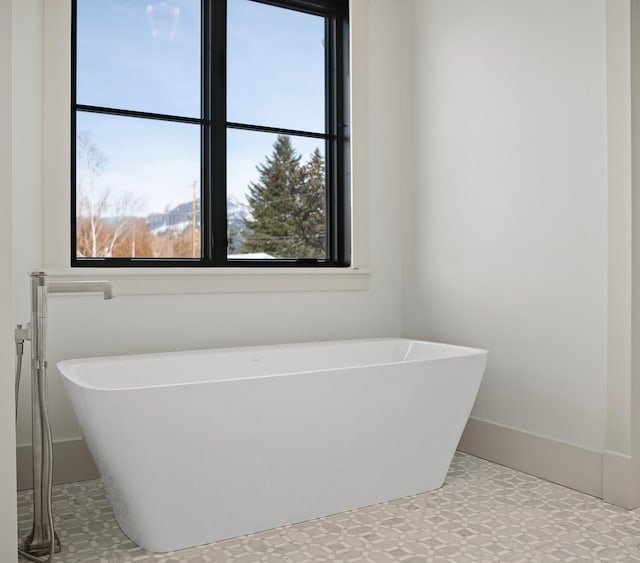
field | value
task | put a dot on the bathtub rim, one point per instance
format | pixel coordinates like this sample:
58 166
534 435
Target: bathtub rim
463 352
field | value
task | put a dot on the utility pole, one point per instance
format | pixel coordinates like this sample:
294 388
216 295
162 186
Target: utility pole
193 222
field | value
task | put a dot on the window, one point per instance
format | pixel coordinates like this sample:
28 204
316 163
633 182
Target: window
209 133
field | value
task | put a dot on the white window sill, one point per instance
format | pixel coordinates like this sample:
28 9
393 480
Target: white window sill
165 281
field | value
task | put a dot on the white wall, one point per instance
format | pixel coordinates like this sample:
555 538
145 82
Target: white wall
508 215
86 325
27 172
8 525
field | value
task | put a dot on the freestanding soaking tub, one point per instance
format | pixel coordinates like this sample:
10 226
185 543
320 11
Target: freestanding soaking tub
198 446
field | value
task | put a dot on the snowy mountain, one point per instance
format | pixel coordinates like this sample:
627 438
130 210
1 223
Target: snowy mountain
174 220
179 218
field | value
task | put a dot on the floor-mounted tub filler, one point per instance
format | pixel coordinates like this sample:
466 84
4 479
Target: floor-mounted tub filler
43 540
199 446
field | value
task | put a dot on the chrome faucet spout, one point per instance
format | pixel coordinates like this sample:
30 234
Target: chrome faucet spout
103 287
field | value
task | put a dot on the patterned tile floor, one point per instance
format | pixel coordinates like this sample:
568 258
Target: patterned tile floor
484 512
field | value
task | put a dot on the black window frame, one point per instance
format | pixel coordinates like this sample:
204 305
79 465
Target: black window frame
214 126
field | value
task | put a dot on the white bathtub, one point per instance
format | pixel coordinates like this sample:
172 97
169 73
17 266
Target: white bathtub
194 447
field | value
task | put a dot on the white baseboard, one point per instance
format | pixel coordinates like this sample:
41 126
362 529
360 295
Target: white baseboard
566 464
71 462
620 484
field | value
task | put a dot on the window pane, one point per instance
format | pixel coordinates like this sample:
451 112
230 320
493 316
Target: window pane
275 66
137 185
141 55
276 196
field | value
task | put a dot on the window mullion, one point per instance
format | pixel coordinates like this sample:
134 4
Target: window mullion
217 154
342 160
206 139
338 119
330 146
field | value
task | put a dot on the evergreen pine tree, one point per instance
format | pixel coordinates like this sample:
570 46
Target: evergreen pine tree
287 205
311 208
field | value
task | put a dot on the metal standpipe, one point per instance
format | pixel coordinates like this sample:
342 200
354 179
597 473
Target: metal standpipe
43 540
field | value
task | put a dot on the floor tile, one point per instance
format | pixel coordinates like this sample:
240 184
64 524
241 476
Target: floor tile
483 513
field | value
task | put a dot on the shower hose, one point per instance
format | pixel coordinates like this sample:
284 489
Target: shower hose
47 444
